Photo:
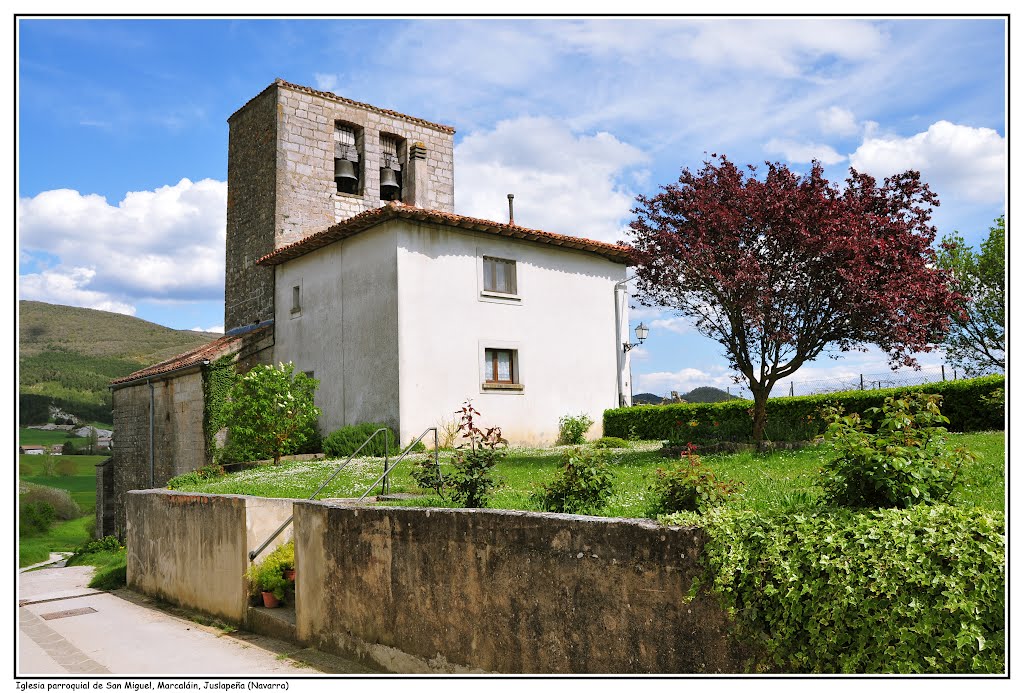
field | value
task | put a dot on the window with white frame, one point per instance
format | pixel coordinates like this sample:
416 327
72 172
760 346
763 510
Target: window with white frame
501 369
296 300
499 275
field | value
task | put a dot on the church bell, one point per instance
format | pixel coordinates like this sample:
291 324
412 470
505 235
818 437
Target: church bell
389 184
344 170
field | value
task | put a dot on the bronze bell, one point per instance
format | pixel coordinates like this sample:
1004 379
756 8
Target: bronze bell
389 184
345 169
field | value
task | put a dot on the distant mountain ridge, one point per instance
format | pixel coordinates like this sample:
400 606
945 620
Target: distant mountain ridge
67 356
698 395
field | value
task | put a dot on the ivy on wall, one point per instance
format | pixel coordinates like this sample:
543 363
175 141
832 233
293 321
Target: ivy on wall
908 591
220 377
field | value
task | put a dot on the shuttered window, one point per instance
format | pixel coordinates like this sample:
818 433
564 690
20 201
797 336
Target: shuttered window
499 275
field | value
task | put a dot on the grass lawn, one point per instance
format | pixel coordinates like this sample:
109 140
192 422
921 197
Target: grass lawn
62 536
33 436
81 485
769 480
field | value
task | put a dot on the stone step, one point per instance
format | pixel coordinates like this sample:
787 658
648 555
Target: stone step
275 623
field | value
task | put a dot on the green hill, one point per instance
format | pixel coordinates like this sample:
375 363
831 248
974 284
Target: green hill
708 394
67 356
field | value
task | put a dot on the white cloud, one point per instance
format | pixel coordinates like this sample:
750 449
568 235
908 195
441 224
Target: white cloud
218 329
154 245
638 353
639 312
838 121
804 152
682 381
784 48
563 182
679 325
69 288
956 160
325 82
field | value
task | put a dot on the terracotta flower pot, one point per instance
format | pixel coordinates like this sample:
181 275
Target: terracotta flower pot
290 575
270 601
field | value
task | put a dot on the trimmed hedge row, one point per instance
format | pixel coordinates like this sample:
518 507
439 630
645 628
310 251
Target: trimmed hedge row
796 418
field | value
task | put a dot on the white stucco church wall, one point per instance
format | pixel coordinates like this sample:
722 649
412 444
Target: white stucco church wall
559 325
396 322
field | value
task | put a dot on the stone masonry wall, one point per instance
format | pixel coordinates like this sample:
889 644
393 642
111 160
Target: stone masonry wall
179 443
281 184
308 199
252 165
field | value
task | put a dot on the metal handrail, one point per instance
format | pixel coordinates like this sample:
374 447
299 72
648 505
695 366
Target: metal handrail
402 457
253 554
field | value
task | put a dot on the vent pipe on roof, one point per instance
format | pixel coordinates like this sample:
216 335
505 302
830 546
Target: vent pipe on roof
511 216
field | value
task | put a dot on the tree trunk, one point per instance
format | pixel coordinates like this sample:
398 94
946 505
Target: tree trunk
760 413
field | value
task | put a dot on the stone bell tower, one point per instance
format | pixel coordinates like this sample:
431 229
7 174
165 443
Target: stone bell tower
300 161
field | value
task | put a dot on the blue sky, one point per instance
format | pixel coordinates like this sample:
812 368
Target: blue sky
123 135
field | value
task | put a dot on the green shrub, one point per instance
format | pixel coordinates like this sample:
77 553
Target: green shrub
270 413
347 439
610 442
428 475
108 543
471 480
64 506
418 446
994 403
895 591
268 574
572 430
67 468
689 487
903 459
210 471
47 465
583 485
796 418
35 517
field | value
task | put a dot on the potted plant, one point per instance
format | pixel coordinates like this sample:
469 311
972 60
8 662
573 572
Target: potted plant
268 576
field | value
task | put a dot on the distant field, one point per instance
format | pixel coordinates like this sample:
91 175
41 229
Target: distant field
32 436
81 485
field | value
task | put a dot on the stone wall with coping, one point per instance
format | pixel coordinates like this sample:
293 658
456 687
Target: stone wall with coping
427 590
421 590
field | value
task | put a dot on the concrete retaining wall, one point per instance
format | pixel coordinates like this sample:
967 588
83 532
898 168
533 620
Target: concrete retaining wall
192 549
421 590
417 590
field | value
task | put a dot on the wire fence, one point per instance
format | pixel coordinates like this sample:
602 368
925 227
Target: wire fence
857 381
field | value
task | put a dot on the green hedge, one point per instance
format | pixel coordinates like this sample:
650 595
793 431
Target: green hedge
796 418
347 439
919 590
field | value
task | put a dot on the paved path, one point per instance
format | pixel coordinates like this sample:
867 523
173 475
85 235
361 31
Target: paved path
64 627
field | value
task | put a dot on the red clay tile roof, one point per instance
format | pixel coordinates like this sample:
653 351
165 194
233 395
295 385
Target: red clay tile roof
341 99
365 220
206 352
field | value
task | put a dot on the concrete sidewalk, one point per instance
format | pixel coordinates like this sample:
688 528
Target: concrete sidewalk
64 627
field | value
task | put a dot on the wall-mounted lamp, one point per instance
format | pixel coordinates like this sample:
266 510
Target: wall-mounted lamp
641 335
